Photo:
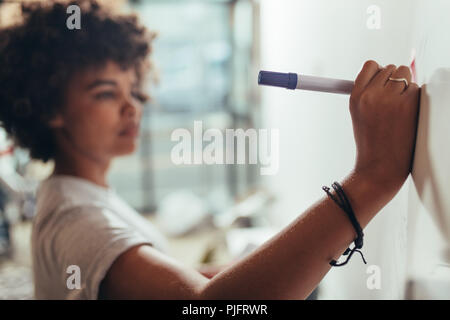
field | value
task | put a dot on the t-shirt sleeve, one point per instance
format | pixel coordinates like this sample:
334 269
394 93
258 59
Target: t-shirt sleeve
88 240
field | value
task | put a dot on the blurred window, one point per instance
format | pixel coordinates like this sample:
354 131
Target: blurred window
204 56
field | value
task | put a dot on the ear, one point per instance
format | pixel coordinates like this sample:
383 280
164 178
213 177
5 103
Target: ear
56 122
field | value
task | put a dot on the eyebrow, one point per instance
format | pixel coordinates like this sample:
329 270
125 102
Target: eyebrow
100 82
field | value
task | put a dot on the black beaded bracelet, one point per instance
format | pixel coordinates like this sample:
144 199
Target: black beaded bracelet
344 204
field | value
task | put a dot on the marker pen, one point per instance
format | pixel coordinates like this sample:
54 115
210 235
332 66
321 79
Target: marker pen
303 82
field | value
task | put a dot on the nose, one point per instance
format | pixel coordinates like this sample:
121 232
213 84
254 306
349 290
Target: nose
130 109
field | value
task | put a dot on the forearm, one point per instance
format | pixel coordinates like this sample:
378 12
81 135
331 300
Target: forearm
291 264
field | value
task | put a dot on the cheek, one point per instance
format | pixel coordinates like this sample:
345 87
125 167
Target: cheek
97 129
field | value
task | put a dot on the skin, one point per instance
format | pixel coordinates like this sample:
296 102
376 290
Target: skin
99 104
293 262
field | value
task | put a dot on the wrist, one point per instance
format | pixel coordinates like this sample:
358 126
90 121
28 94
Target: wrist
382 181
368 193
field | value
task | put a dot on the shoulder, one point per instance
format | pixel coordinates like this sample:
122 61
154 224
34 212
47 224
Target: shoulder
70 202
89 224
87 237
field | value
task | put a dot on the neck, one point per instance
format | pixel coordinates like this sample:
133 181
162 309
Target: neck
96 174
74 163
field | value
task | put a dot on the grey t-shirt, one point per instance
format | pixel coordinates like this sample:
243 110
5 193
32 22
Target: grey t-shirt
80 228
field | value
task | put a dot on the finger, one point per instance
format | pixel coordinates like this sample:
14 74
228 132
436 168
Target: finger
382 77
413 91
368 71
397 86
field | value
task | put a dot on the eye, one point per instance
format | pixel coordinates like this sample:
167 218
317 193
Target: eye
105 95
141 97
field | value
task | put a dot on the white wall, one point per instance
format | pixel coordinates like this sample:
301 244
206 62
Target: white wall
429 203
330 38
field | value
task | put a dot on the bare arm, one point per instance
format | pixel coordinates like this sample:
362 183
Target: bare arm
210 271
291 264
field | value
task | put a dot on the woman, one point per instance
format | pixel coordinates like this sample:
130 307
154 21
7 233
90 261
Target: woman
74 97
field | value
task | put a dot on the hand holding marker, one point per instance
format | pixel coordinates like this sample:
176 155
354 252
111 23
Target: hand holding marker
303 82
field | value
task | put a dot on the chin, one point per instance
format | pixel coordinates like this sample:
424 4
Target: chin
126 149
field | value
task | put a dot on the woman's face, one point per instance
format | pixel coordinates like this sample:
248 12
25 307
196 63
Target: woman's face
102 113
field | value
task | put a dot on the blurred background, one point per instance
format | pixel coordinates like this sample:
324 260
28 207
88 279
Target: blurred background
207 56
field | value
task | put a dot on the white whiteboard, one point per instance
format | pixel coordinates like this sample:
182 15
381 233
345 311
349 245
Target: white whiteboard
431 171
429 196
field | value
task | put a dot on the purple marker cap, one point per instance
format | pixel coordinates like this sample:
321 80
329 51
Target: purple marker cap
278 79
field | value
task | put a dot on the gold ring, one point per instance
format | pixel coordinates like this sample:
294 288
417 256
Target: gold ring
400 80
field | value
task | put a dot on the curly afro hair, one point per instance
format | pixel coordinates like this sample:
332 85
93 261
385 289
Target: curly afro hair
39 55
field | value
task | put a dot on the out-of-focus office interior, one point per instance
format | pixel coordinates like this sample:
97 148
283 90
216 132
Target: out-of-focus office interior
206 59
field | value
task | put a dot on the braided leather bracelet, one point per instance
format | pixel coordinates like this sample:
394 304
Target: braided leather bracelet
344 204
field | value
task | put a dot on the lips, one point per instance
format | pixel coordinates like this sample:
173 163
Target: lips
130 130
